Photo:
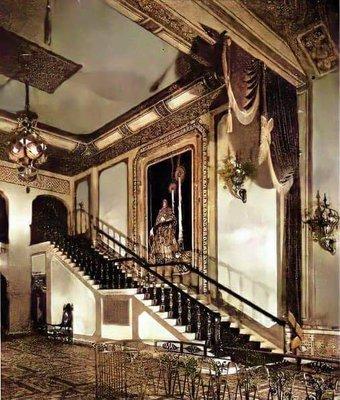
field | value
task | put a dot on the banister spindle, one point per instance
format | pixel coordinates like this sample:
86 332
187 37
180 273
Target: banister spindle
189 314
171 303
154 294
217 340
209 330
162 305
199 322
179 309
146 286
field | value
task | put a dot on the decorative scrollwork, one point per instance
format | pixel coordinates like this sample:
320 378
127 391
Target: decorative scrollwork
169 346
192 349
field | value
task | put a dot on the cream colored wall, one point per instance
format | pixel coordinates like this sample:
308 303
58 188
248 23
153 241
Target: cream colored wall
38 262
247 251
326 179
16 265
82 194
65 287
142 325
113 196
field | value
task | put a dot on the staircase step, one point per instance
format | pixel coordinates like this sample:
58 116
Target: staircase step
234 324
170 321
153 308
147 302
164 315
189 336
129 291
267 345
180 328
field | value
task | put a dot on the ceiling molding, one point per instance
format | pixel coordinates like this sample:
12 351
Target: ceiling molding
8 123
152 119
157 19
187 23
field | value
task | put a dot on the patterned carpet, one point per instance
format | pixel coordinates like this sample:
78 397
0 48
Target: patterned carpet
34 368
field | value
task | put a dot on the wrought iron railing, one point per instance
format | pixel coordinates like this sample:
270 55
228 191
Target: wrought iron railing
131 370
111 239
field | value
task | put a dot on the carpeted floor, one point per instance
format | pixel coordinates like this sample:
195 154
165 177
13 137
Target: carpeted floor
34 368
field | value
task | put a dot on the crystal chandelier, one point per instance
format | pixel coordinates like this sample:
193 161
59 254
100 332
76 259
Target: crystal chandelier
27 148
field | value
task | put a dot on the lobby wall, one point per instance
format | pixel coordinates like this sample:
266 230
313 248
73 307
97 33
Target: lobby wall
16 263
113 196
247 237
324 267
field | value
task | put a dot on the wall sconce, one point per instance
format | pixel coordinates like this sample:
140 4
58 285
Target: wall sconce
234 175
323 223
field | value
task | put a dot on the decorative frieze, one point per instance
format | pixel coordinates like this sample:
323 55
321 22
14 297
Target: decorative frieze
43 182
321 344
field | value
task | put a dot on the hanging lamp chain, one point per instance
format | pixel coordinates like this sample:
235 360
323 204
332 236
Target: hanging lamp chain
27 96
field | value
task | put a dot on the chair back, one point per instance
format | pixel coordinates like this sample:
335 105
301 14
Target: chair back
67 318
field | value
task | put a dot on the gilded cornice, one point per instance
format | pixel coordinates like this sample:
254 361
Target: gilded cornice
150 120
195 25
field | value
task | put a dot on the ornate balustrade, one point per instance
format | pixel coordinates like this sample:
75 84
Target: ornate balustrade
207 324
130 370
123 270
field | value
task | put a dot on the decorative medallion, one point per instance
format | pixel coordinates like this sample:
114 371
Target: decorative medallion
319 49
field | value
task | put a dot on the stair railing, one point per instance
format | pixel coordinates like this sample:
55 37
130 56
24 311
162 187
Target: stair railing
205 319
119 242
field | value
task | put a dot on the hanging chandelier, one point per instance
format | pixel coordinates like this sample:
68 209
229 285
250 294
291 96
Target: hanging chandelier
27 149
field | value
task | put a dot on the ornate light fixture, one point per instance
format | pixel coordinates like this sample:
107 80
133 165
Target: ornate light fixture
234 175
323 223
27 148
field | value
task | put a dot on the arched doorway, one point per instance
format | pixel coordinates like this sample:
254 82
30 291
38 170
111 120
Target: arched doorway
47 212
4 307
3 221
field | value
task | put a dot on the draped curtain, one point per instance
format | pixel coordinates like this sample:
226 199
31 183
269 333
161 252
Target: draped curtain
284 150
251 87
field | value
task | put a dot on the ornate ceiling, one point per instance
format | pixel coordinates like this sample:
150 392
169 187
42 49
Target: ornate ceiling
123 64
126 59
310 27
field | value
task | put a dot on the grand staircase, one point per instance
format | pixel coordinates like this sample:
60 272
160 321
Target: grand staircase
111 265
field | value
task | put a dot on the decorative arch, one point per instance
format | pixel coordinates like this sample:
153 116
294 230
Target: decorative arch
47 212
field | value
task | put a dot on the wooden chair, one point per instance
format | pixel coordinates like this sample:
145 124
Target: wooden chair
64 330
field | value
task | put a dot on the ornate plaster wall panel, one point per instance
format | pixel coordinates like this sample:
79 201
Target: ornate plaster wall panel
45 70
44 182
321 344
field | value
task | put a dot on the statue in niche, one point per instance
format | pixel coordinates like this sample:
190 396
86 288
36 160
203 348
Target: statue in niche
163 243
